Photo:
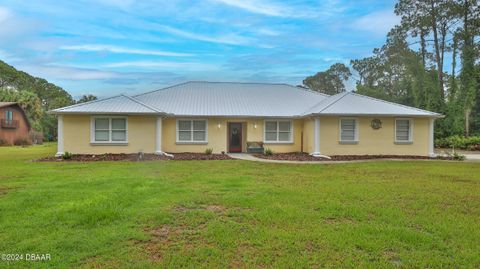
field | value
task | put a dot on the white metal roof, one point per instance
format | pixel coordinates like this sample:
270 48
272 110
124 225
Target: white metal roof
243 100
232 99
348 103
120 104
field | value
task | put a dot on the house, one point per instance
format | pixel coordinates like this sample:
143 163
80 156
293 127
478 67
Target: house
14 125
225 116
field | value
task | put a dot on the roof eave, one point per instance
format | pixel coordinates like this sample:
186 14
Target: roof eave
374 114
53 112
236 116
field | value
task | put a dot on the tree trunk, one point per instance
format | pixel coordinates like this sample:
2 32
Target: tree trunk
467 67
423 46
453 87
443 31
467 122
433 13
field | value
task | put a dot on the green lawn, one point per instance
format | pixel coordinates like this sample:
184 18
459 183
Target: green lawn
238 214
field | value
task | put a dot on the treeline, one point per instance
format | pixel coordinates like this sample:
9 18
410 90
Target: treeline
36 96
410 67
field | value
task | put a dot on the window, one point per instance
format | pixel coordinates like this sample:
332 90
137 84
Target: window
348 130
109 130
8 115
403 130
278 131
191 131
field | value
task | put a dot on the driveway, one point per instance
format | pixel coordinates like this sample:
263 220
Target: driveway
469 155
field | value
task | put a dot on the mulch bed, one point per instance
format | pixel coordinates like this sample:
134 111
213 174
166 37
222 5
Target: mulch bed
200 156
298 156
136 157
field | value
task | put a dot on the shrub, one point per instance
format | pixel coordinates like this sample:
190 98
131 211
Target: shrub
459 142
36 137
209 151
22 141
268 152
3 142
67 155
457 156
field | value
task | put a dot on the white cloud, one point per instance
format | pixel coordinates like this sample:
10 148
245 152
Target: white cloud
257 7
122 4
115 49
268 32
58 72
230 39
269 8
164 64
377 23
11 25
7 57
5 14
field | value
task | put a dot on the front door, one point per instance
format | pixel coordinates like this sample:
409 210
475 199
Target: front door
235 137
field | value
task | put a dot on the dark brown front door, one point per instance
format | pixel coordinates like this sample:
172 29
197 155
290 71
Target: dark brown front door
235 137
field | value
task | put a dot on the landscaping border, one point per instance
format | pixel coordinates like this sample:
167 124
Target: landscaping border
187 156
298 156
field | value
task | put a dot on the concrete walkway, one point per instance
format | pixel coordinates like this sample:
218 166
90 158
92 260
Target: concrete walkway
248 157
473 156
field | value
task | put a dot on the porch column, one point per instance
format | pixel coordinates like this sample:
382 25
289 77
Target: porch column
158 136
59 136
316 138
431 151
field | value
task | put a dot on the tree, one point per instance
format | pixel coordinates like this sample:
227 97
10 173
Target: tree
396 73
468 79
422 17
409 68
28 101
330 81
87 98
50 96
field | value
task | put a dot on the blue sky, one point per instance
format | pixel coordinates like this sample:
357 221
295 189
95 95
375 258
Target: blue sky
107 47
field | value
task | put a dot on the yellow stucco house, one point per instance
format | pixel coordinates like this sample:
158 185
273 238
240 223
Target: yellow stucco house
226 117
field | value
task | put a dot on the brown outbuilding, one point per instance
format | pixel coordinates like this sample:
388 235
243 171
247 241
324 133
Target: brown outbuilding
14 125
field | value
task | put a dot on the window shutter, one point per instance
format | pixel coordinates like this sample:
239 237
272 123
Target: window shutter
402 130
348 129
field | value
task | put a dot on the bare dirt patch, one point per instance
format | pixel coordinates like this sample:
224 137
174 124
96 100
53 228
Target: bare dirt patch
299 156
338 220
216 208
3 190
211 208
392 256
136 157
182 235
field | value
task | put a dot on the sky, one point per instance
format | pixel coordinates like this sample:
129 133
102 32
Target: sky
109 47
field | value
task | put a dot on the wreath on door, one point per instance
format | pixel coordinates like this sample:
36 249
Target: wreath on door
376 124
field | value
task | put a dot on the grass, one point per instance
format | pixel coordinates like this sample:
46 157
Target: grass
206 214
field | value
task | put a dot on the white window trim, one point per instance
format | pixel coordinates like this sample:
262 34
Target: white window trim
278 127
356 136
410 134
109 142
178 141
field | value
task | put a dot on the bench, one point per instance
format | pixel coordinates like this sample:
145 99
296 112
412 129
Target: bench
255 147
